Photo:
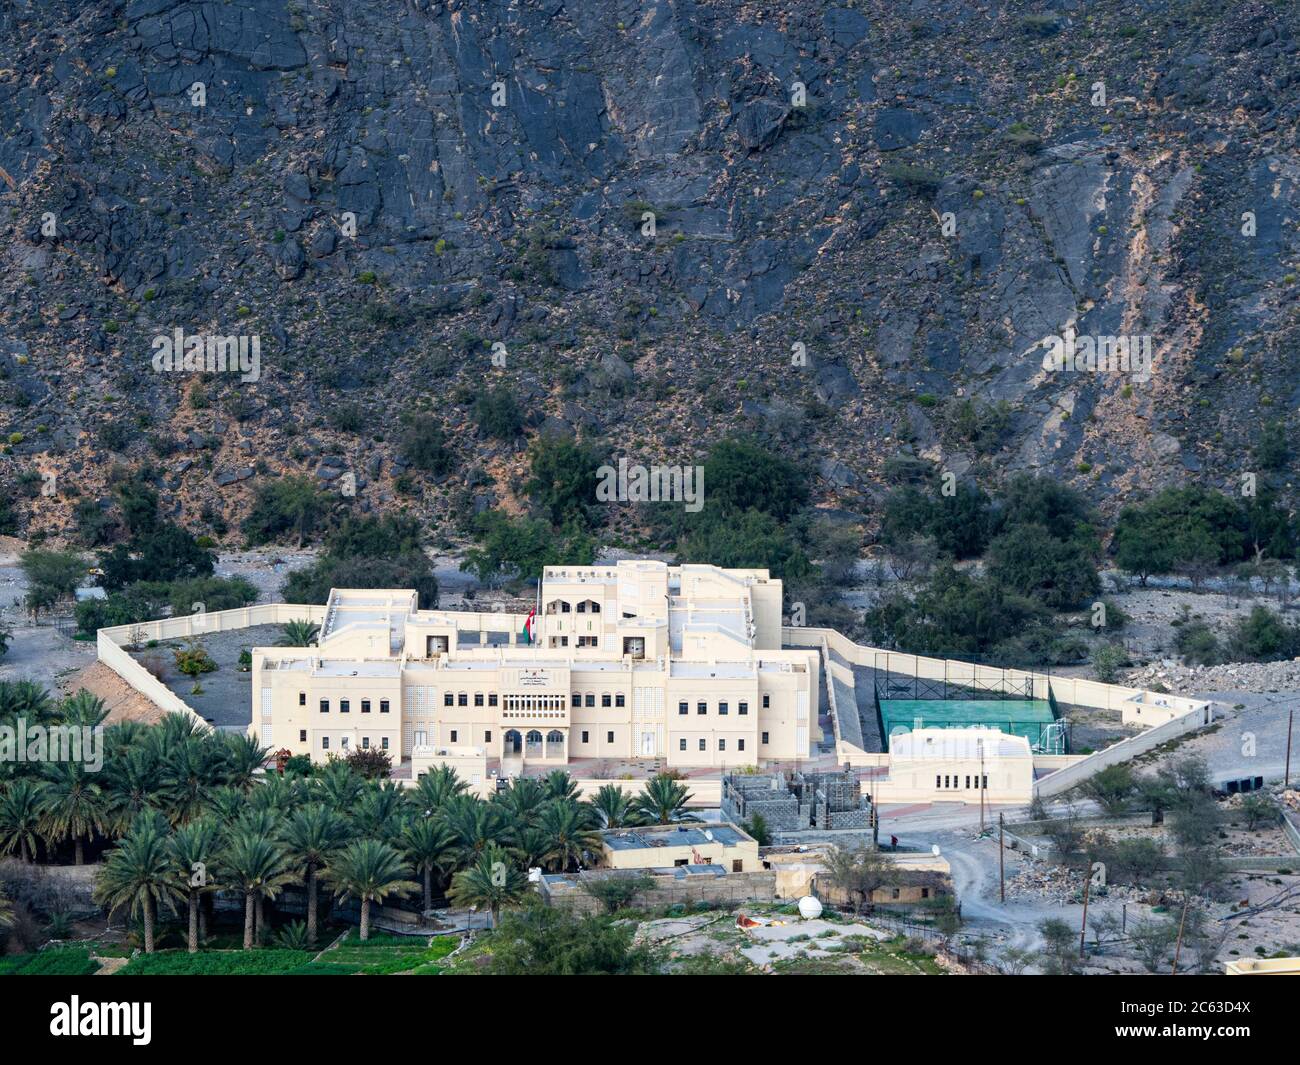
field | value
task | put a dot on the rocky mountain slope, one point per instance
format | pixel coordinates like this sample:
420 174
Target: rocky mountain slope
382 191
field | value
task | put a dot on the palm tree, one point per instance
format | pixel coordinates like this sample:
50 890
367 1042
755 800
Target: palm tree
435 787
84 709
522 801
71 805
557 784
140 873
244 756
339 785
20 818
225 804
25 699
613 806
663 802
313 833
6 911
281 794
191 767
568 833
492 882
476 826
531 846
378 813
428 845
131 781
298 633
257 866
194 849
369 871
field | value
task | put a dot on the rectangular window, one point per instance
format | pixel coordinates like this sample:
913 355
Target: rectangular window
345 706
448 699
681 744
701 707
365 706
984 786
344 742
968 782
683 708
487 737
365 743
743 709
383 706
767 702
737 865
324 706
945 780
585 738
462 699
384 743
722 745
609 737
606 699
722 709
591 698
324 743
704 745
936 780
492 699
302 698
740 745
925 893
453 735
577 698
478 698
764 737
618 699
302 735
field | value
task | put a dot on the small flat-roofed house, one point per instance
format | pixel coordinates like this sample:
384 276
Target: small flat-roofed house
668 846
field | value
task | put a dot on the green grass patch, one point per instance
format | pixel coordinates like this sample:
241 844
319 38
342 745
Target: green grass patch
57 961
217 963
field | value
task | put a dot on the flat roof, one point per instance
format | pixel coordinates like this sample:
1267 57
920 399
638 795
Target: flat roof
655 836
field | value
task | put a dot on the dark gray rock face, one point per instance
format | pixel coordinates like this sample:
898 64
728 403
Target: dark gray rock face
642 202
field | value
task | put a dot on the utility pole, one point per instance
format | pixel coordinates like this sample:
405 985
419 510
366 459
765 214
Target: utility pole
1178 947
1083 929
1286 782
1002 864
980 784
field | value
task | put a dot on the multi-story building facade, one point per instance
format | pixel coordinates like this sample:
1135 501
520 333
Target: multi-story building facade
637 660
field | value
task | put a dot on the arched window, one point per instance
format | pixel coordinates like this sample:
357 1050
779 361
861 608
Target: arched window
555 736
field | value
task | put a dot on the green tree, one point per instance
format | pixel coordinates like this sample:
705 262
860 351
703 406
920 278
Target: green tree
569 834
430 847
257 867
299 633
140 873
663 801
20 818
548 942
312 835
71 804
52 576
613 806
859 872
194 850
491 882
368 871
289 507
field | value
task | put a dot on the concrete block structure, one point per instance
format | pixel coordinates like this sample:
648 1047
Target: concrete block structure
638 660
797 803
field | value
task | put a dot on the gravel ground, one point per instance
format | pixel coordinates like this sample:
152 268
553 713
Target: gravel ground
227 695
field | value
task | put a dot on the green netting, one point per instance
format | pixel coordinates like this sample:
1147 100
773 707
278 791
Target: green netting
1030 718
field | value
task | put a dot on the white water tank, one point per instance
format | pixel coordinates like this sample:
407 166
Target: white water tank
810 907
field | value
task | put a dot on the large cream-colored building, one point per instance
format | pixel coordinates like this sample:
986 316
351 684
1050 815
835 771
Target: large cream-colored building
637 660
